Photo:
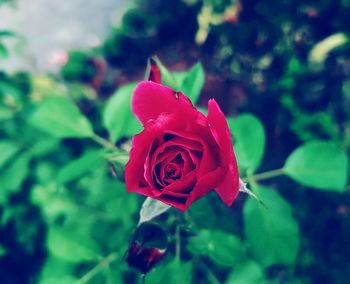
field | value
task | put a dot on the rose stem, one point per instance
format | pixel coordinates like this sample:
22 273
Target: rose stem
267 175
178 243
103 142
103 263
210 274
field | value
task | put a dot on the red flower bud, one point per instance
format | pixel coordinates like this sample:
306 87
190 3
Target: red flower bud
143 258
147 248
154 71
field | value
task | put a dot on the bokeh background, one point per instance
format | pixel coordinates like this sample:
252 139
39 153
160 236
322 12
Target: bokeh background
61 210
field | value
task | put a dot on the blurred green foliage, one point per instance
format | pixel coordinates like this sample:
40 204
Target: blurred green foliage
283 66
80 67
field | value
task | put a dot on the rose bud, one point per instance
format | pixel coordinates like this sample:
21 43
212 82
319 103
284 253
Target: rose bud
143 258
181 154
147 247
154 71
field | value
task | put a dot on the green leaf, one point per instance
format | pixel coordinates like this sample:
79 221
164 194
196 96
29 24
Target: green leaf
223 248
174 272
64 279
167 77
3 251
295 66
249 141
191 82
79 167
55 269
320 165
60 117
5 113
5 33
12 95
67 246
7 149
44 147
247 272
3 51
272 233
13 176
117 115
53 202
208 213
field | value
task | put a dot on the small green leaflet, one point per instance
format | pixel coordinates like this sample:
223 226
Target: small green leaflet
319 164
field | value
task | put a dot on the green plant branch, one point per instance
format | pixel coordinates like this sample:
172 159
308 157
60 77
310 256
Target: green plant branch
103 142
210 274
119 157
103 263
266 175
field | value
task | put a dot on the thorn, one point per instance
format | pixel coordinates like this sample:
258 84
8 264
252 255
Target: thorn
243 188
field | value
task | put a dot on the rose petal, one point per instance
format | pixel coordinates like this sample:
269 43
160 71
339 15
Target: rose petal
205 184
172 194
164 152
186 140
182 186
191 159
151 99
203 143
168 150
172 171
229 187
141 144
156 160
177 202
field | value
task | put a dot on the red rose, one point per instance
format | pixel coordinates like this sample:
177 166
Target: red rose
181 154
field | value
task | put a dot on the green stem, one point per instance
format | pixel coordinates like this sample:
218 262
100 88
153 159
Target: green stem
105 262
178 243
119 157
267 175
103 142
210 274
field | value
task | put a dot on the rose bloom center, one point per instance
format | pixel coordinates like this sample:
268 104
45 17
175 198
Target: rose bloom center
174 160
167 172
